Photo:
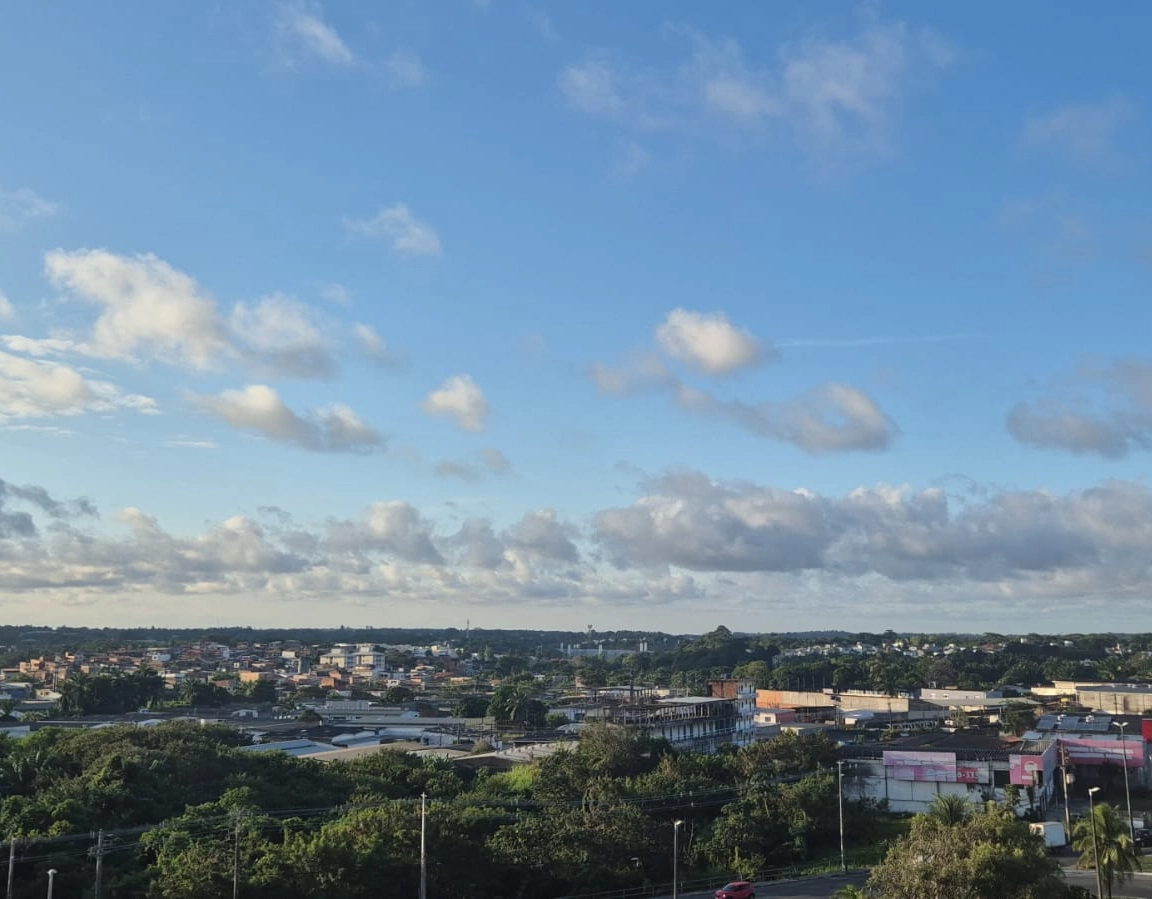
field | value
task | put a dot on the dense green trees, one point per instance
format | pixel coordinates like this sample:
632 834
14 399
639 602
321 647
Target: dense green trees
517 704
84 694
180 804
989 854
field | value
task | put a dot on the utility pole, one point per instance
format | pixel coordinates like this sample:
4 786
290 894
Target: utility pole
1127 791
1092 791
423 847
11 864
99 864
1068 778
236 859
840 796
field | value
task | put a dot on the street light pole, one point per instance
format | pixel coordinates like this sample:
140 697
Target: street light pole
51 881
1092 791
840 796
676 858
423 848
1127 791
1069 777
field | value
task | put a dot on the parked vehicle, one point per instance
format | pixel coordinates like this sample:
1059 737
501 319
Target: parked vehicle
1052 832
740 889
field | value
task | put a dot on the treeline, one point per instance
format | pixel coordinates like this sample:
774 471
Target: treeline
116 693
179 805
1017 663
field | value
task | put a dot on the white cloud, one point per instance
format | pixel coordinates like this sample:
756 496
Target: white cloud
21 207
708 343
260 409
405 233
151 311
146 307
737 548
303 36
279 336
1006 538
1103 411
31 388
189 443
462 399
1084 133
7 313
374 346
593 87
393 528
834 99
831 417
38 346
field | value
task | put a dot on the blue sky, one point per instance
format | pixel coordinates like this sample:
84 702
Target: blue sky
662 315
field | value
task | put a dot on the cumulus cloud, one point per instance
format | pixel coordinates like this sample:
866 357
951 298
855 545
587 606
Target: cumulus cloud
708 343
396 527
459 398
278 335
21 523
145 307
374 347
689 521
1106 411
147 310
1083 133
21 207
33 388
828 418
406 234
302 36
738 547
260 409
831 98
6 311
542 536
832 417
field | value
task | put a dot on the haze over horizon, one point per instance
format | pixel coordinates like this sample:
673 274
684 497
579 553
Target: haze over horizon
802 317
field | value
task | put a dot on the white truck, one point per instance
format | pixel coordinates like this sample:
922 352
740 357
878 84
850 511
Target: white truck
1052 832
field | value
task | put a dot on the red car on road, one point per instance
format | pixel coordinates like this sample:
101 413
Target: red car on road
741 889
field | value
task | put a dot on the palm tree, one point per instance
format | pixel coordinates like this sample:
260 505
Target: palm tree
1119 857
950 808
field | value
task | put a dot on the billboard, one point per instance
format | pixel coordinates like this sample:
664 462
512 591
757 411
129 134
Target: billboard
933 767
1098 750
973 773
1032 769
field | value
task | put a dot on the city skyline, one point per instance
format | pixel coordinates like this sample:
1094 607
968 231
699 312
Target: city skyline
813 317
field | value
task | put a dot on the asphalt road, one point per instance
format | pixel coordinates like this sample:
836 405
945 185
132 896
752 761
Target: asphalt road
810 888
1139 887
